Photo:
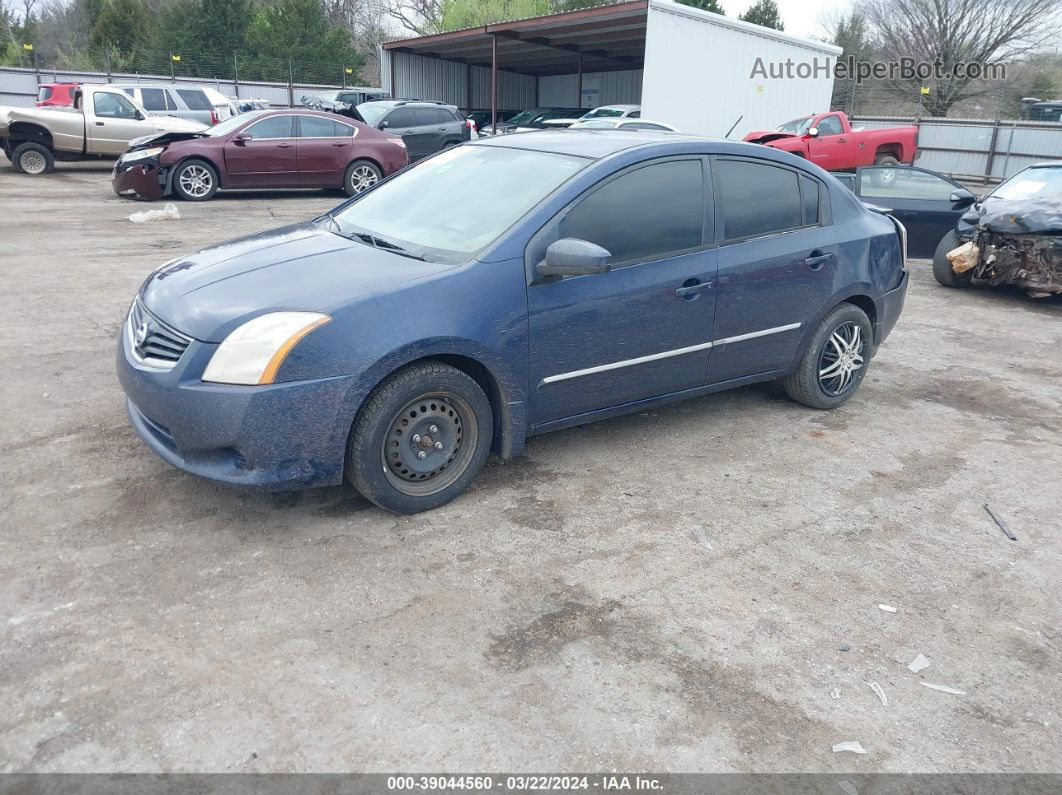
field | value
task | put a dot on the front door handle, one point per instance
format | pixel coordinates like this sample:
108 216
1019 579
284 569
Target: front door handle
99 124
284 146
816 259
691 287
339 143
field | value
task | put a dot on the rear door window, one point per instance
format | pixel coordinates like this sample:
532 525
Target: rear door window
341 130
645 214
426 117
757 199
153 98
273 127
316 127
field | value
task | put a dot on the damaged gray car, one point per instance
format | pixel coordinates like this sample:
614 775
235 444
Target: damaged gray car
1012 236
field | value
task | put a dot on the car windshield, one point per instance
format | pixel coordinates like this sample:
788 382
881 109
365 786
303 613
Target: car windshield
230 124
604 113
796 126
520 118
372 112
1032 183
436 209
559 113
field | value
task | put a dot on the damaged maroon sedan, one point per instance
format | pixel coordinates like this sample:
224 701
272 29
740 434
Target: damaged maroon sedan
260 149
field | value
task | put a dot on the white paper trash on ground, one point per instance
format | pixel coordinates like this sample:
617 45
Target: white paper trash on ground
943 688
919 663
887 608
167 213
850 745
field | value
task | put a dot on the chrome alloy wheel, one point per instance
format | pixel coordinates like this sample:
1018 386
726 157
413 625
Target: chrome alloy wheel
32 163
362 178
841 358
428 444
196 181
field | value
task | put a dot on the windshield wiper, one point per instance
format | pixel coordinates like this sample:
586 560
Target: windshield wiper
387 245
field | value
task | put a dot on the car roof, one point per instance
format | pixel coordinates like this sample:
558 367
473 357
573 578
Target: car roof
587 143
616 107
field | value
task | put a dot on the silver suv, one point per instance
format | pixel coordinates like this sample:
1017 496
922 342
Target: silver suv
195 103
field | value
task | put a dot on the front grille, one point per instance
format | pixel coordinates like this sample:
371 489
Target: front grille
155 343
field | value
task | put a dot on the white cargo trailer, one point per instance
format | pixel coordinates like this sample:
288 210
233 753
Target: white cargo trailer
701 72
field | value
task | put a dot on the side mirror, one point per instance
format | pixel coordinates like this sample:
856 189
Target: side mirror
813 132
139 115
571 256
242 138
962 197
384 125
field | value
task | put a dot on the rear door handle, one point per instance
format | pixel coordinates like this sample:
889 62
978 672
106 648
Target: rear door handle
339 143
691 287
99 124
817 259
284 146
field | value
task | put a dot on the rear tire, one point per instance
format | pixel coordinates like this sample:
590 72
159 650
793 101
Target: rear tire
33 159
834 361
943 272
884 178
195 181
361 175
420 439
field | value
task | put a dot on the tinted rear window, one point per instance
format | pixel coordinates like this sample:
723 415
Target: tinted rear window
757 199
195 99
316 127
154 98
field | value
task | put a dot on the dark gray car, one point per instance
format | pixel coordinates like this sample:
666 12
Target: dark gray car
426 127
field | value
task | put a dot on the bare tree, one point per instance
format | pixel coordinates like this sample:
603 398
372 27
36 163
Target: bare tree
419 17
953 32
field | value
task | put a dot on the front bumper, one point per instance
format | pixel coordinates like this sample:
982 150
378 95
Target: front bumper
889 307
273 437
143 179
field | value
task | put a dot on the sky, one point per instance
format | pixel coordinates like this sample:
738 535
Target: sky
801 17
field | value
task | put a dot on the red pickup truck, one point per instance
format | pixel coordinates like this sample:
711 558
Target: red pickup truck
828 140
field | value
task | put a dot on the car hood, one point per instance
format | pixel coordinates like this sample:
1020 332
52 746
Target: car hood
164 124
155 139
764 136
300 267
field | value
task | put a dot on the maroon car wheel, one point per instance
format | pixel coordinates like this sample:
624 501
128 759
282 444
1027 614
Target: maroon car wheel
361 175
195 181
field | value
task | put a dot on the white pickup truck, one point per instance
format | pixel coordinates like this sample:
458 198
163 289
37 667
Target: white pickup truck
100 124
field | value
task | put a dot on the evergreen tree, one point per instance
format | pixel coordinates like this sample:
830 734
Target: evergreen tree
765 13
122 25
299 30
705 5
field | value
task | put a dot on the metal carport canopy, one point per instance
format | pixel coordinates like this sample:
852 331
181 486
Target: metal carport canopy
601 39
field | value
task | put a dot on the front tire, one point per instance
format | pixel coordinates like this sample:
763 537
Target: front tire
834 361
33 159
943 272
195 181
361 175
421 438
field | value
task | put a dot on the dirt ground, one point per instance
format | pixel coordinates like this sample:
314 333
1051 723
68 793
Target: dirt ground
678 590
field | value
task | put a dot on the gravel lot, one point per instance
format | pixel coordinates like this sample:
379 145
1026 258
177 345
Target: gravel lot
677 590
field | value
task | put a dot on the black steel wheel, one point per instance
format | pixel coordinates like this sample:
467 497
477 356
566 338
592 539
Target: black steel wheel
429 442
420 438
834 359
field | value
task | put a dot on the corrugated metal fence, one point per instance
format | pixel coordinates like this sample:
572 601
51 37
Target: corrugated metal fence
978 148
18 87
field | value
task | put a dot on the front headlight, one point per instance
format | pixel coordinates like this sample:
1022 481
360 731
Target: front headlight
253 353
143 154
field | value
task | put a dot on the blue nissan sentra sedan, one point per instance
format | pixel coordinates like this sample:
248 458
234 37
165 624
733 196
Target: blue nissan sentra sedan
397 340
